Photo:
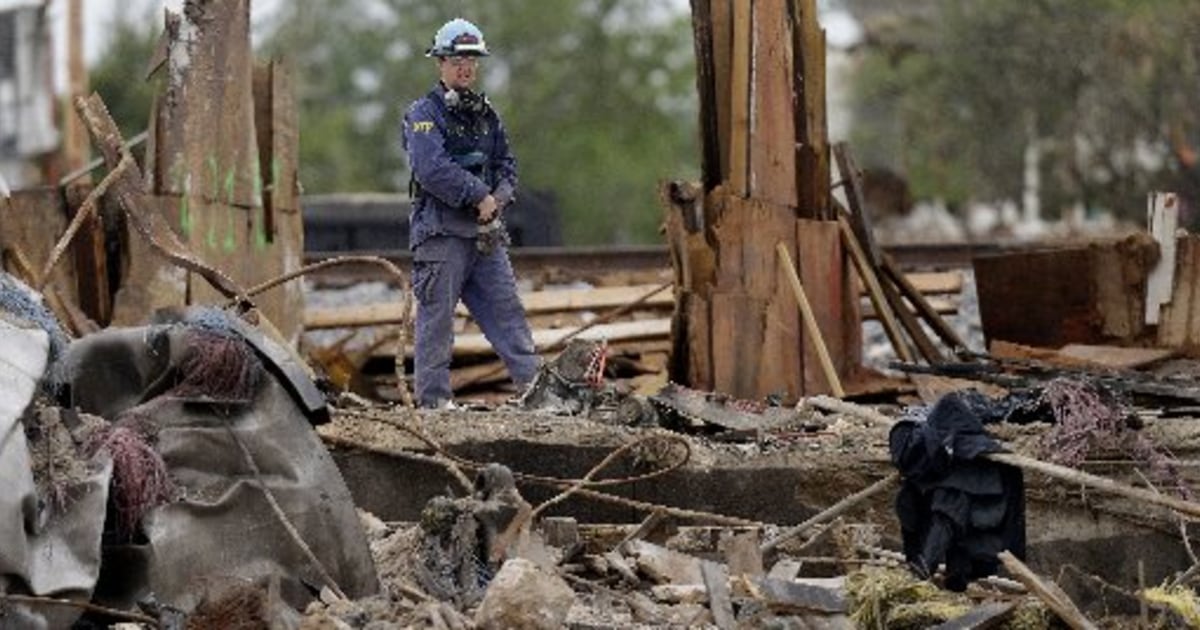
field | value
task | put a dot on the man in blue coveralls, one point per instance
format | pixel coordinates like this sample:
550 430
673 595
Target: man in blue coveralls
463 175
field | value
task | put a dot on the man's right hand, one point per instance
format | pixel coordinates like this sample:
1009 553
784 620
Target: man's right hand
487 209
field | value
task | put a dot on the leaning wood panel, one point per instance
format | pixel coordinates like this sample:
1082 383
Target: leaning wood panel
773 152
90 257
1181 316
823 273
220 236
284 305
32 222
148 281
1120 273
206 144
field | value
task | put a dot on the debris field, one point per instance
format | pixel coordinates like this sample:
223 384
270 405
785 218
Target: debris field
198 431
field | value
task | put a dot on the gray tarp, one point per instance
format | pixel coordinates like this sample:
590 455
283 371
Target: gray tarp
222 524
47 548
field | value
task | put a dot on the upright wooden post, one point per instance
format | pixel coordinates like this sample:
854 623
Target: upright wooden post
75 137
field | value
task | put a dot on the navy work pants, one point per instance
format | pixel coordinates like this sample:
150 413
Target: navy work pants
445 269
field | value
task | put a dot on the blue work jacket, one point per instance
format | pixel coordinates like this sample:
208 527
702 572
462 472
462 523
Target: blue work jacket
457 158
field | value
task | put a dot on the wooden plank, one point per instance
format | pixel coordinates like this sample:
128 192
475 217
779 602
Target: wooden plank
1163 220
852 185
1119 271
729 234
781 370
1174 329
812 142
285 305
32 222
700 363
737 323
740 95
264 127
716 581
773 152
90 257
710 150
721 12
477 345
928 311
1185 300
535 302
1116 357
911 324
221 237
148 281
206 143
1048 592
823 269
941 306
495 372
1036 298
879 301
815 340
929 282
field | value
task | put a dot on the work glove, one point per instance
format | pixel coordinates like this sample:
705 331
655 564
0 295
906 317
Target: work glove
493 234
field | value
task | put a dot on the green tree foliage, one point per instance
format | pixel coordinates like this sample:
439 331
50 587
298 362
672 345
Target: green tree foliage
951 93
598 97
119 75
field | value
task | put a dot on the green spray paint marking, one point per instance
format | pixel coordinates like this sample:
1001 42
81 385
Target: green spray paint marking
260 228
230 241
210 238
185 217
230 179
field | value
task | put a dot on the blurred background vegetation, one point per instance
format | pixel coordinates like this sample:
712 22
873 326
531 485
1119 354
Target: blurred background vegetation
957 96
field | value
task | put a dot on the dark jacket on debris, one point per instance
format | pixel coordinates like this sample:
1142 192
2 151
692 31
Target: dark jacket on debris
954 507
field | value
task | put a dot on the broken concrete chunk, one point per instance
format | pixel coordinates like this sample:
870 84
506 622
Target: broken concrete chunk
560 531
617 563
663 565
811 594
523 596
742 552
785 569
716 585
987 615
679 593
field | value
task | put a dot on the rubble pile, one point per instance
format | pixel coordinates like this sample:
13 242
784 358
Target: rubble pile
172 460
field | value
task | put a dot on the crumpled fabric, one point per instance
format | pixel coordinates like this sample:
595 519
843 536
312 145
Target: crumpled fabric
221 526
47 548
953 506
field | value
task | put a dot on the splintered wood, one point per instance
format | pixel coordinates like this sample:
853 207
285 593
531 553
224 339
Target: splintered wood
737 328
